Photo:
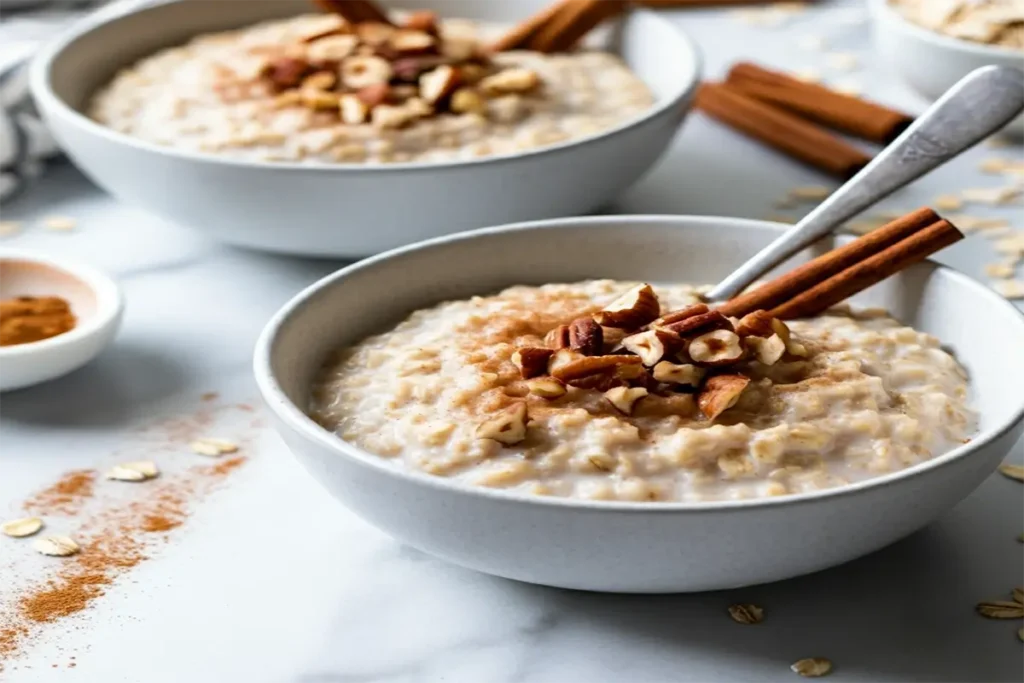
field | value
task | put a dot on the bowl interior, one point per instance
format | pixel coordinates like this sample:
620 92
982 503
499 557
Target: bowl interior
984 331
659 54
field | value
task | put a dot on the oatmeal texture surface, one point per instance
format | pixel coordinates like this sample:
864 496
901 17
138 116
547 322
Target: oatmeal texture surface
992 22
872 397
207 96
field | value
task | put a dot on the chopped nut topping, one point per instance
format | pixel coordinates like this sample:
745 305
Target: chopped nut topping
558 338
373 95
373 33
408 41
636 307
332 48
20 528
321 80
720 393
586 336
625 398
767 350
684 374
387 116
650 346
510 82
421 20
468 101
720 347
286 72
361 71
508 428
353 110
583 366
532 361
697 324
318 99
547 387
756 324
437 84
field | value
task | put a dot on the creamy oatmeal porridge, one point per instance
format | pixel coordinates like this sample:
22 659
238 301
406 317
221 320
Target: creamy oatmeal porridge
318 90
992 22
696 407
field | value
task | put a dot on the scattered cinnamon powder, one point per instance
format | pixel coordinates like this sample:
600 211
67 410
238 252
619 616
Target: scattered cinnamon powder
66 496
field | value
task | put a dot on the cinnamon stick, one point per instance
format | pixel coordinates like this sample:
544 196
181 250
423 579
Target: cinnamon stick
670 4
521 34
780 129
802 278
355 11
870 271
575 20
853 115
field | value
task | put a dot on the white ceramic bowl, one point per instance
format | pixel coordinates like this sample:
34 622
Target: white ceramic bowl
95 300
931 62
350 209
621 546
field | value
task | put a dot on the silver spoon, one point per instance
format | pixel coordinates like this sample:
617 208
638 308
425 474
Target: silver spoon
980 104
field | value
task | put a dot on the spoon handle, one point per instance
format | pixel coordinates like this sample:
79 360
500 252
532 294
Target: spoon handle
980 104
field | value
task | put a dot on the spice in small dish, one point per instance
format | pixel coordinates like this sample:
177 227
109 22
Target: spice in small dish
27 319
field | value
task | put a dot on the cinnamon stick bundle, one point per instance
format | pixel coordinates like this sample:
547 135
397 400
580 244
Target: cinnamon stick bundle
839 274
780 129
853 115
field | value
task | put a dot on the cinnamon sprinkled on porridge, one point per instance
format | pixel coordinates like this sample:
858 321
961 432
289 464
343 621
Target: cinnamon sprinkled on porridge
315 89
829 400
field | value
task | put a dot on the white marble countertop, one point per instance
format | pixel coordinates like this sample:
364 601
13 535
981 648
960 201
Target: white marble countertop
272 581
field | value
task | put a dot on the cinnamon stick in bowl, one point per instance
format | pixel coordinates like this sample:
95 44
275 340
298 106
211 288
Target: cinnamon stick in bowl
778 128
853 115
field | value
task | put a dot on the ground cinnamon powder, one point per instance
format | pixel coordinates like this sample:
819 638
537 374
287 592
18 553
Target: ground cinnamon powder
65 496
27 319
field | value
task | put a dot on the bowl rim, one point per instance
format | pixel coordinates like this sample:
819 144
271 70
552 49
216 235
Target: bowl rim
296 419
883 11
52 104
109 303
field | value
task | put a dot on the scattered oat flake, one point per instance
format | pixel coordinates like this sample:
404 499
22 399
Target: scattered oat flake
992 165
991 195
1011 289
133 471
58 546
810 193
1000 609
213 447
746 613
844 61
813 667
20 528
998 142
1012 471
8 228
59 223
999 270
948 202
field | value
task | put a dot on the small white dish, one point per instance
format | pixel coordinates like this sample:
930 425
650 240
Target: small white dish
347 209
612 545
931 62
95 300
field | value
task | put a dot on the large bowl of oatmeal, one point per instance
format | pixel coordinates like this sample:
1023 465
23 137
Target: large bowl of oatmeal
932 45
190 109
386 379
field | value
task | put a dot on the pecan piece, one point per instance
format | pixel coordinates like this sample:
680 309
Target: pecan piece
636 307
286 72
720 393
547 387
507 427
755 324
407 41
373 95
532 361
558 338
719 347
767 350
438 84
682 374
586 337
582 366
421 20
625 398
698 324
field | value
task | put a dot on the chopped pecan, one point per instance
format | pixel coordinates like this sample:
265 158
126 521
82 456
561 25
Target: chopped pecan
581 366
421 20
586 337
720 393
755 324
547 387
651 346
353 109
698 324
633 309
407 41
438 84
558 338
767 350
286 72
364 70
716 348
624 398
532 361
373 33
508 427
468 101
373 95
682 374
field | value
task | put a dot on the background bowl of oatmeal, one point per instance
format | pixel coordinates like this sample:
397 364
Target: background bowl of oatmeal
351 209
616 545
931 62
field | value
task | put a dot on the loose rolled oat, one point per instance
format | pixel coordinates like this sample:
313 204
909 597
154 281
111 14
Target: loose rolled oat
57 546
814 667
20 528
746 613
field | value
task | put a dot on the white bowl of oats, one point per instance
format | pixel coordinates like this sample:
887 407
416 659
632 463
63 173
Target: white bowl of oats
411 389
272 126
932 45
